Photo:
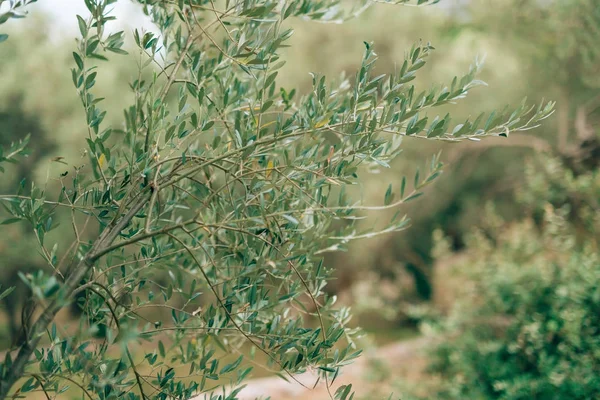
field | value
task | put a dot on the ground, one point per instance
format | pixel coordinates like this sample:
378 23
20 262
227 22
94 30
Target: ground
371 375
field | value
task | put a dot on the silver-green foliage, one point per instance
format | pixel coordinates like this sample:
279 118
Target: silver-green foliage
214 201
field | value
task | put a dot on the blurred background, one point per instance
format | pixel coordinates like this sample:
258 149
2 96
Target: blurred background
481 237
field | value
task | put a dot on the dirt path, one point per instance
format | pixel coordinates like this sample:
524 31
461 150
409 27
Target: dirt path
401 359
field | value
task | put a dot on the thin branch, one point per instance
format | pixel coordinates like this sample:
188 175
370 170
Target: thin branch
41 382
143 236
222 305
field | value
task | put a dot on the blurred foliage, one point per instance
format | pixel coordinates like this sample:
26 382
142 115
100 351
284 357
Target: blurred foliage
523 289
562 38
557 60
527 323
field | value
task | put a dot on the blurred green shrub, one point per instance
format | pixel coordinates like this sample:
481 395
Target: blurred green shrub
527 325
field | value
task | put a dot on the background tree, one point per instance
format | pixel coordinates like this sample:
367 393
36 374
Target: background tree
557 60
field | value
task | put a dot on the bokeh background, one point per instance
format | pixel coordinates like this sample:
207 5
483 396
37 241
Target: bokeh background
494 197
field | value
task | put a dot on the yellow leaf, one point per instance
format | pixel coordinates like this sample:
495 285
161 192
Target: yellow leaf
322 123
267 124
101 160
269 168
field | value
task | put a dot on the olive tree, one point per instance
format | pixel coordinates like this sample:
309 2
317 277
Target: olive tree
215 200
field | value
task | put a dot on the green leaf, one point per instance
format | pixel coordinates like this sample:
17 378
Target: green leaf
91 47
82 26
6 292
90 80
291 219
161 349
9 221
327 369
270 79
232 366
417 127
266 106
389 196
78 60
402 187
29 385
417 176
208 125
117 50
6 16
343 392
413 196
